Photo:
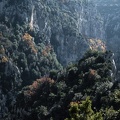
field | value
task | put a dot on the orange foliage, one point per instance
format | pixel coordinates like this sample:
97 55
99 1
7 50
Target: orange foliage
28 39
4 59
44 53
34 49
97 44
45 79
74 103
91 73
36 85
46 50
27 36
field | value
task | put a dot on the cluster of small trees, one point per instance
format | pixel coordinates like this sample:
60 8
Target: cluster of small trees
83 111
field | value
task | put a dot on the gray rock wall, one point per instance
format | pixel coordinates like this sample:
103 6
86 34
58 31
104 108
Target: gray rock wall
61 22
110 12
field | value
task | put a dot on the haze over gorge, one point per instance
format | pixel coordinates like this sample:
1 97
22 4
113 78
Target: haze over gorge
59 60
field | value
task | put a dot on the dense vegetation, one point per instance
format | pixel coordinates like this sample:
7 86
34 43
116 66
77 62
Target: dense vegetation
24 57
36 37
83 91
27 51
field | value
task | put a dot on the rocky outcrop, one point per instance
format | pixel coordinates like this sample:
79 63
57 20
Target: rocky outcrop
61 23
10 83
110 12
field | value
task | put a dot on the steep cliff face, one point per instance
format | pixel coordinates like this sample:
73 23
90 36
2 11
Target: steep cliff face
110 12
34 36
61 22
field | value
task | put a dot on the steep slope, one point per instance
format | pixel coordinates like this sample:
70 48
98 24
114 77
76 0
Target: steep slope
110 12
21 62
49 97
37 36
33 60
30 32
61 23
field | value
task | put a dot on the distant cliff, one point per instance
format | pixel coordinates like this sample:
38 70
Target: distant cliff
110 12
62 23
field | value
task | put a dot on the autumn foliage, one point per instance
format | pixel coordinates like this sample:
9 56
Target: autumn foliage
97 44
46 50
28 39
91 73
32 89
4 59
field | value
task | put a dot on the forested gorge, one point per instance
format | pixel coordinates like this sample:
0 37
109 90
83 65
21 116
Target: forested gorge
58 60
